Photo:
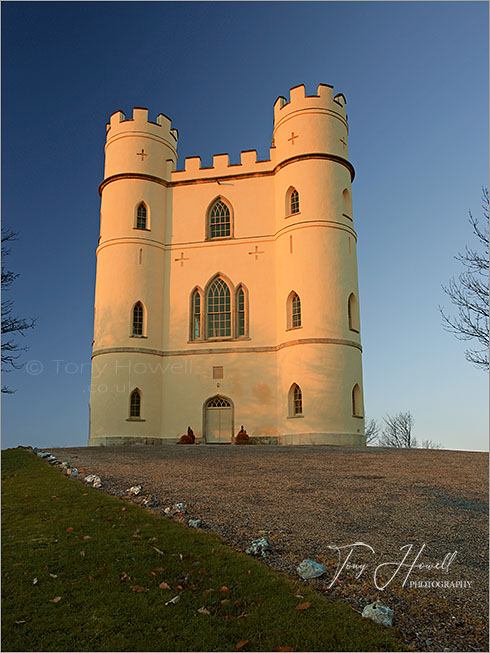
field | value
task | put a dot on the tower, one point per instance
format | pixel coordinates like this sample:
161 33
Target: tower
132 276
228 294
316 259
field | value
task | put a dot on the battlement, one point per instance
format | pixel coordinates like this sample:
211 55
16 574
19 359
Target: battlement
222 167
139 123
299 101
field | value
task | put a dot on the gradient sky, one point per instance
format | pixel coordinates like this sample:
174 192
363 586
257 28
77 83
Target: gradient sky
415 75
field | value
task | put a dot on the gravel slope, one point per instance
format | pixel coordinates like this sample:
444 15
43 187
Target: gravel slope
307 498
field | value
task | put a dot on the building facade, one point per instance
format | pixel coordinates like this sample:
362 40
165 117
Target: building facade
228 295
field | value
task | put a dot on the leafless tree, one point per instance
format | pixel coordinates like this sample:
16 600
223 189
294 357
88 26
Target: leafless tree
429 444
469 293
397 431
12 326
372 431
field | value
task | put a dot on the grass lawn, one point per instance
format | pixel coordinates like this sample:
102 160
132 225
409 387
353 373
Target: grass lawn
106 568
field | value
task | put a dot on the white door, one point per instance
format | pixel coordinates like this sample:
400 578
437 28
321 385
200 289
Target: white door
218 420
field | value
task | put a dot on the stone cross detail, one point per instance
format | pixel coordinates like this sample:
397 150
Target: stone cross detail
343 142
256 252
293 136
182 259
142 154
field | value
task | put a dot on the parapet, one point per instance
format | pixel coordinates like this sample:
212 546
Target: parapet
139 123
299 101
221 167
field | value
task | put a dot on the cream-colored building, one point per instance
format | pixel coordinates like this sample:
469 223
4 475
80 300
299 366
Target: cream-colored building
228 295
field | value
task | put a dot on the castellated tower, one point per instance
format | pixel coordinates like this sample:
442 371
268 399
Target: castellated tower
228 295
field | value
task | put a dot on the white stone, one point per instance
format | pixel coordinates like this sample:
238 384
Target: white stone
379 613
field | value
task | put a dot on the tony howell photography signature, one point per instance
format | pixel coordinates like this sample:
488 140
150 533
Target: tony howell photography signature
402 567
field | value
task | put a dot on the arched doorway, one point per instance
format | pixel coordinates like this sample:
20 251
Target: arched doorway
218 420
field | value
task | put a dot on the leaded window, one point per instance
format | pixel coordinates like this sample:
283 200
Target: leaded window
240 312
297 401
218 402
295 311
141 215
294 202
135 404
196 316
219 310
219 220
138 319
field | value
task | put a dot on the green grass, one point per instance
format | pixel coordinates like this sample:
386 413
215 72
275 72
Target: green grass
100 612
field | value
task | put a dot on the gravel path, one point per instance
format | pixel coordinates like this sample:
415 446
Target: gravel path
307 498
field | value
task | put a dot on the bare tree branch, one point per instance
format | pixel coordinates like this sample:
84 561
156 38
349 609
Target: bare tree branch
12 326
372 431
469 293
397 431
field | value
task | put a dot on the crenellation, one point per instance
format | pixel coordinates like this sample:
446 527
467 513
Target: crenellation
140 123
221 161
248 157
340 99
299 101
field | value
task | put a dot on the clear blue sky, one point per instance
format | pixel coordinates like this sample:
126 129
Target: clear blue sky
415 76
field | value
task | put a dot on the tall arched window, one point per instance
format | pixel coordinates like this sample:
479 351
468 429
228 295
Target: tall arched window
294 311
218 310
353 313
347 203
295 401
292 201
294 205
356 401
141 216
135 404
196 323
241 312
219 220
138 319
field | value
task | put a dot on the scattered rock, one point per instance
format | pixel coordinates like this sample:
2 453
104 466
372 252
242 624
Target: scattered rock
150 501
176 509
379 613
93 480
308 568
261 546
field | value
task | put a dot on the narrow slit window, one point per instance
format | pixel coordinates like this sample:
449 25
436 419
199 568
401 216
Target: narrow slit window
196 316
240 312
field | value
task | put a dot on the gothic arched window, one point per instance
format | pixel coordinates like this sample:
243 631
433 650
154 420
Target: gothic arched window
138 313
241 312
353 313
141 216
135 404
219 220
295 400
356 401
196 315
218 310
294 202
293 311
